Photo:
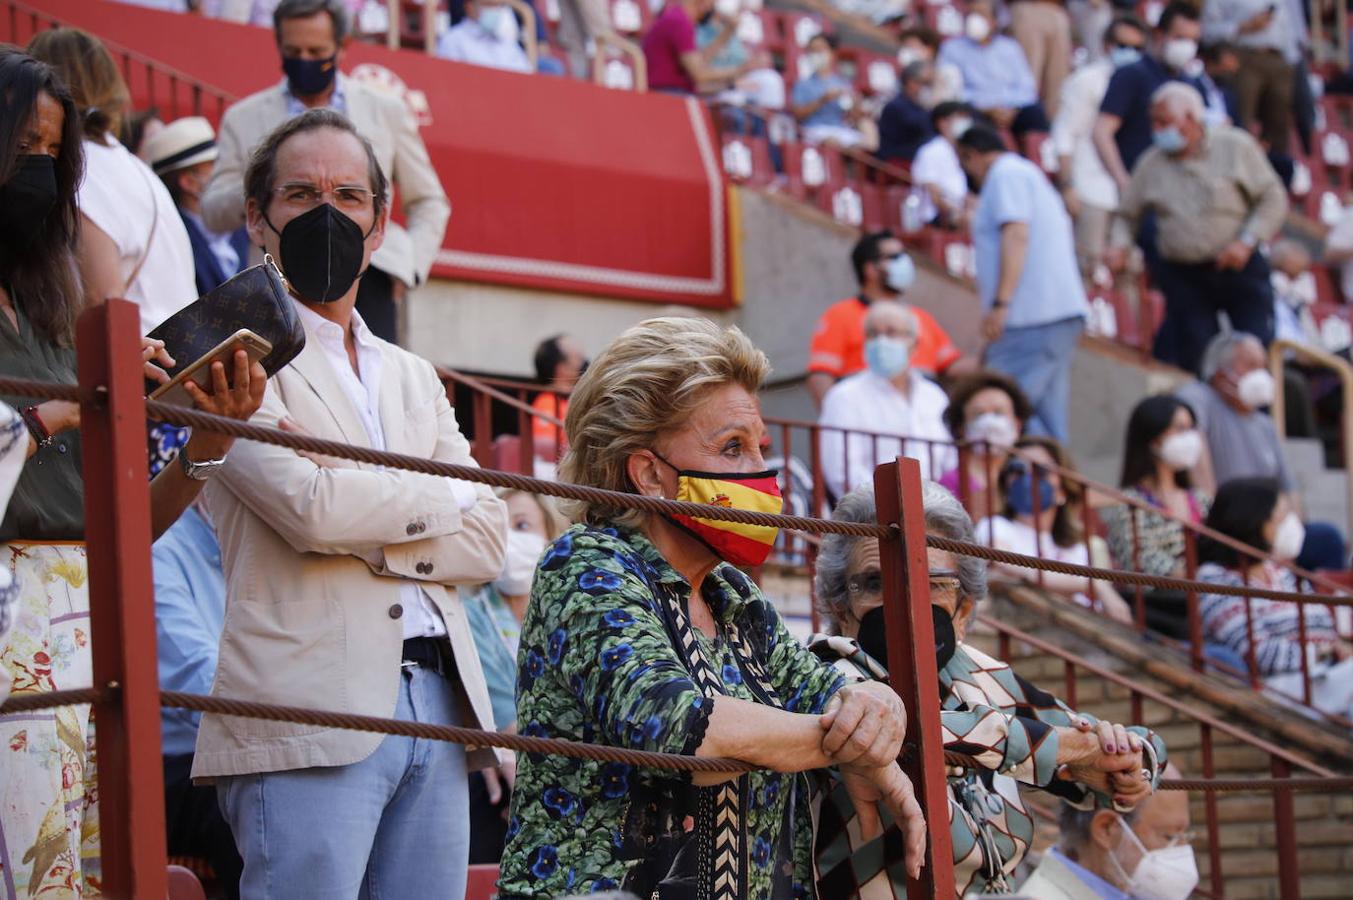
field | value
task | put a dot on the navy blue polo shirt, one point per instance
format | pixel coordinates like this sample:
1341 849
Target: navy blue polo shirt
904 126
1129 98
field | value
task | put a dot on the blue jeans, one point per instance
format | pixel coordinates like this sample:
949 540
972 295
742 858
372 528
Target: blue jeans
391 826
1039 358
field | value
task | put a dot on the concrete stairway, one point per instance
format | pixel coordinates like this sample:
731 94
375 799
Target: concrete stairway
1246 832
1324 492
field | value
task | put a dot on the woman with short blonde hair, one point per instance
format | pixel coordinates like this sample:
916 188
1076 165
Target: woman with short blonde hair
642 634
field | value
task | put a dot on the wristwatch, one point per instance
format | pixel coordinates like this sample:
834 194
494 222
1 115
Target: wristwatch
199 471
998 303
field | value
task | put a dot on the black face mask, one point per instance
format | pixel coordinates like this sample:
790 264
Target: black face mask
308 77
27 199
874 640
321 253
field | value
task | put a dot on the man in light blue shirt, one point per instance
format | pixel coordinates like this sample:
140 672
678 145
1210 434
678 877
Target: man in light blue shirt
189 613
1027 277
996 76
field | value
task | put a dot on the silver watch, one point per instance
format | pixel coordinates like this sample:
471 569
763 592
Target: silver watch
199 471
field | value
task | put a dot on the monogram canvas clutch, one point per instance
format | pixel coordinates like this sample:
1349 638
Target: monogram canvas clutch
255 299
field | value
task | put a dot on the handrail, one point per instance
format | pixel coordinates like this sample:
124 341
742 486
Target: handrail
638 63
486 386
1276 352
1087 484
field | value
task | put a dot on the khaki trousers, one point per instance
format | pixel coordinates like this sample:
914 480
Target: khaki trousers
1264 87
1043 29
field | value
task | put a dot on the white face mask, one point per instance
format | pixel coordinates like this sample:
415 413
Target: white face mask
977 27
727 8
519 563
1299 291
1182 450
992 428
1170 873
820 61
908 55
1289 537
1177 53
957 126
1256 389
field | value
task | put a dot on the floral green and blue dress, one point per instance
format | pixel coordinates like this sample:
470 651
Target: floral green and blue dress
608 656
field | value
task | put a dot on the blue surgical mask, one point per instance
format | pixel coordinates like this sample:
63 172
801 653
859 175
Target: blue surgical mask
887 357
1020 494
899 273
1124 56
493 18
1169 139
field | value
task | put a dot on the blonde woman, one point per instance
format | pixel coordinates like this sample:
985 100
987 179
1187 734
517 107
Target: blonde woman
641 633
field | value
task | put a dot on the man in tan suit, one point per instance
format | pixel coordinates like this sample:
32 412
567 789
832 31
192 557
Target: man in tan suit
310 37
341 578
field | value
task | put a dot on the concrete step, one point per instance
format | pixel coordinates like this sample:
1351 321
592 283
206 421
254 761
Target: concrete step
1324 492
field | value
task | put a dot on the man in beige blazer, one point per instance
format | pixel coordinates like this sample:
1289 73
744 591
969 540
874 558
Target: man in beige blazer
310 38
342 579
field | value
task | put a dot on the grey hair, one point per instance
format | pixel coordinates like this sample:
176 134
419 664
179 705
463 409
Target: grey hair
304 9
1286 248
1221 352
1075 826
1179 98
879 310
915 71
944 517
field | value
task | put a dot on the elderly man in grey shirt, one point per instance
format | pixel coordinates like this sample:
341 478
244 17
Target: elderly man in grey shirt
1216 198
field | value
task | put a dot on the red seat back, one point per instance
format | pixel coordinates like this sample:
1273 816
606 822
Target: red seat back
482 882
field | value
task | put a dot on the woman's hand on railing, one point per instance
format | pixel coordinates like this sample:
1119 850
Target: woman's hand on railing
864 724
890 786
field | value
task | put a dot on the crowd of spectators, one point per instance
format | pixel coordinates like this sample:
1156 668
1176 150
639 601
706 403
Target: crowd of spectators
367 568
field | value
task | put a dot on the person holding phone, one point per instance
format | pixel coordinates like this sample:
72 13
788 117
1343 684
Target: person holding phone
47 777
1270 38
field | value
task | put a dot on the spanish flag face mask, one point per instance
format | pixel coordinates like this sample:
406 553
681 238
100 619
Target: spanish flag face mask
734 542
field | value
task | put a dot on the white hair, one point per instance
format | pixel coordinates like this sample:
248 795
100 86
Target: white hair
881 308
1179 98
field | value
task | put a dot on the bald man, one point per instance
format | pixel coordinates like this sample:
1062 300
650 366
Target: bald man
1116 856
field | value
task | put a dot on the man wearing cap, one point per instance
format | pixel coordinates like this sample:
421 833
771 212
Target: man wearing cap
182 154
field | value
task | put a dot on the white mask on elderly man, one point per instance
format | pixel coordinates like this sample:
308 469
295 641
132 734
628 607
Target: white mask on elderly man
1170 873
519 563
1256 389
1296 292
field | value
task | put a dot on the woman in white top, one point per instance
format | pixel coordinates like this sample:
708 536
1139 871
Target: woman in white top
132 242
1054 533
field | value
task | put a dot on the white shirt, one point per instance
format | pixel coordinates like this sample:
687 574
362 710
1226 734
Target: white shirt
1017 537
470 42
937 163
869 403
125 199
421 618
1082 93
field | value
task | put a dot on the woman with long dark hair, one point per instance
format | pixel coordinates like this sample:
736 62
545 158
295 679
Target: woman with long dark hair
1041 516
1256 512
48 821
1162 445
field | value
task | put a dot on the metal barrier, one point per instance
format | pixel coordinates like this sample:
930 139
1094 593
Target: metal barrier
937 456
127 698
173 93
1278 351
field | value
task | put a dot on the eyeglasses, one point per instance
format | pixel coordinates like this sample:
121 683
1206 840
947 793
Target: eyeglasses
1181 838
347 197
944 585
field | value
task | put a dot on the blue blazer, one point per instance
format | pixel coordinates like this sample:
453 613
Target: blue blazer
210 274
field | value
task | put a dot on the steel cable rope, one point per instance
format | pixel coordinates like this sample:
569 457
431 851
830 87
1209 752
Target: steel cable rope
552 746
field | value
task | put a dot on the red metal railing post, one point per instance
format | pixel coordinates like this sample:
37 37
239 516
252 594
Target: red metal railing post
122 604
1285 826
911 662
1191 601
482 447
1210 813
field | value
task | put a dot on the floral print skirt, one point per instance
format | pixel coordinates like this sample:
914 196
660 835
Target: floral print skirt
49 832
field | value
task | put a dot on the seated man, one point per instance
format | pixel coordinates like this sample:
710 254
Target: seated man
182 153
904 124
190 596
997 79
884 273
888 397
487 36
922 44
1105 853
1229 404
825 104
676 64
937 173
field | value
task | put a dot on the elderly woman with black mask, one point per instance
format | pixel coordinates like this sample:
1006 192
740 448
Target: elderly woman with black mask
50 836
1012 731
